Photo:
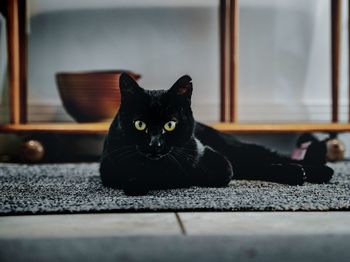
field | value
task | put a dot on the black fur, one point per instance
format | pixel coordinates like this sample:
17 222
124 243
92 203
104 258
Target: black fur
192 154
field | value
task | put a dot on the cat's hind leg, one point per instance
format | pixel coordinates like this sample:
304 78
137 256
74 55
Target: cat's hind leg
287 173
108 174
297 174
318 174
284 173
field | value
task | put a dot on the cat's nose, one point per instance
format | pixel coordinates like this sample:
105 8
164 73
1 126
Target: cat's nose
155 143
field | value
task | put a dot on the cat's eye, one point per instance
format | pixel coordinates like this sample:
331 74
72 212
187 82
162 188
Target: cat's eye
139 125
170 126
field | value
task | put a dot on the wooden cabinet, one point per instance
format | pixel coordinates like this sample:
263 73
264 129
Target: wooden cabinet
15 11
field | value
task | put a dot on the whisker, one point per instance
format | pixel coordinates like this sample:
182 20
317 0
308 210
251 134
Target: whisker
120 153
121 148
126 156
195 160
176 162
186 149
189 157
185 156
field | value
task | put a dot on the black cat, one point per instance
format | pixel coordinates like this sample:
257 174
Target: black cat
154 143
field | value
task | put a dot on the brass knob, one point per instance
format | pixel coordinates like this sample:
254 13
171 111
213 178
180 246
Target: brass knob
32 151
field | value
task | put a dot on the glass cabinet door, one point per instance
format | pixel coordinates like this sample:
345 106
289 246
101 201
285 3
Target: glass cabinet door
160 40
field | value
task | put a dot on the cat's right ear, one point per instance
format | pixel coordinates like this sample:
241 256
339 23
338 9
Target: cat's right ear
128 86
182 88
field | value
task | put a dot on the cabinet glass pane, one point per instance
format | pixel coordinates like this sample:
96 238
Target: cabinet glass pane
285 61
161 40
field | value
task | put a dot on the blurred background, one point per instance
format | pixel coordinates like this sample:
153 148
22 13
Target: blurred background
284 59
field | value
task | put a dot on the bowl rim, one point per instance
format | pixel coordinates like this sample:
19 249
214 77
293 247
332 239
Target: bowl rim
97 72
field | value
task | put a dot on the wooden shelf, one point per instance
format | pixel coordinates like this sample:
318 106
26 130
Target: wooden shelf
102 128
283 127
63 128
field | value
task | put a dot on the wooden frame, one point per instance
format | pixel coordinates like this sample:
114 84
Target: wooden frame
335 57
101 128
228 14
349 63
224 87
233 60
14 60
228 59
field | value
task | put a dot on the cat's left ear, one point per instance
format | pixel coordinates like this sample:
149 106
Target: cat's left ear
182 87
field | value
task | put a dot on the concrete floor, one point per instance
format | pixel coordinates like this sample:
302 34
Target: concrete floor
192 223
256 226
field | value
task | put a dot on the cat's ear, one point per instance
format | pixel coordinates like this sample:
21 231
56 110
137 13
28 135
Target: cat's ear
182 87
128 86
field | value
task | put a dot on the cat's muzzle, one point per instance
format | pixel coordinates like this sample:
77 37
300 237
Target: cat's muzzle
155 153
155 149
155 156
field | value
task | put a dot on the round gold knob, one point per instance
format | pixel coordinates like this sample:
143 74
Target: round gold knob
32 151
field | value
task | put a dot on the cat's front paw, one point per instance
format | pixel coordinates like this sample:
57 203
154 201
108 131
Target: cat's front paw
135 192
135 187
216 169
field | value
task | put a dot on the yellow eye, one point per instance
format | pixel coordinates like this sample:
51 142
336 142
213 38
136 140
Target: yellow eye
139 125
170 126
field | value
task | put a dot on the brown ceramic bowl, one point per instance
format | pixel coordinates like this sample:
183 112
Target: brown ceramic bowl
91 96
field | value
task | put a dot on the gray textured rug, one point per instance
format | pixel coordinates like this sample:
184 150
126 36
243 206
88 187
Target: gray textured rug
72 188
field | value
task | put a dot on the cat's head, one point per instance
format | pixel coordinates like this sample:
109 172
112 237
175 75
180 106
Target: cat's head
156 121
